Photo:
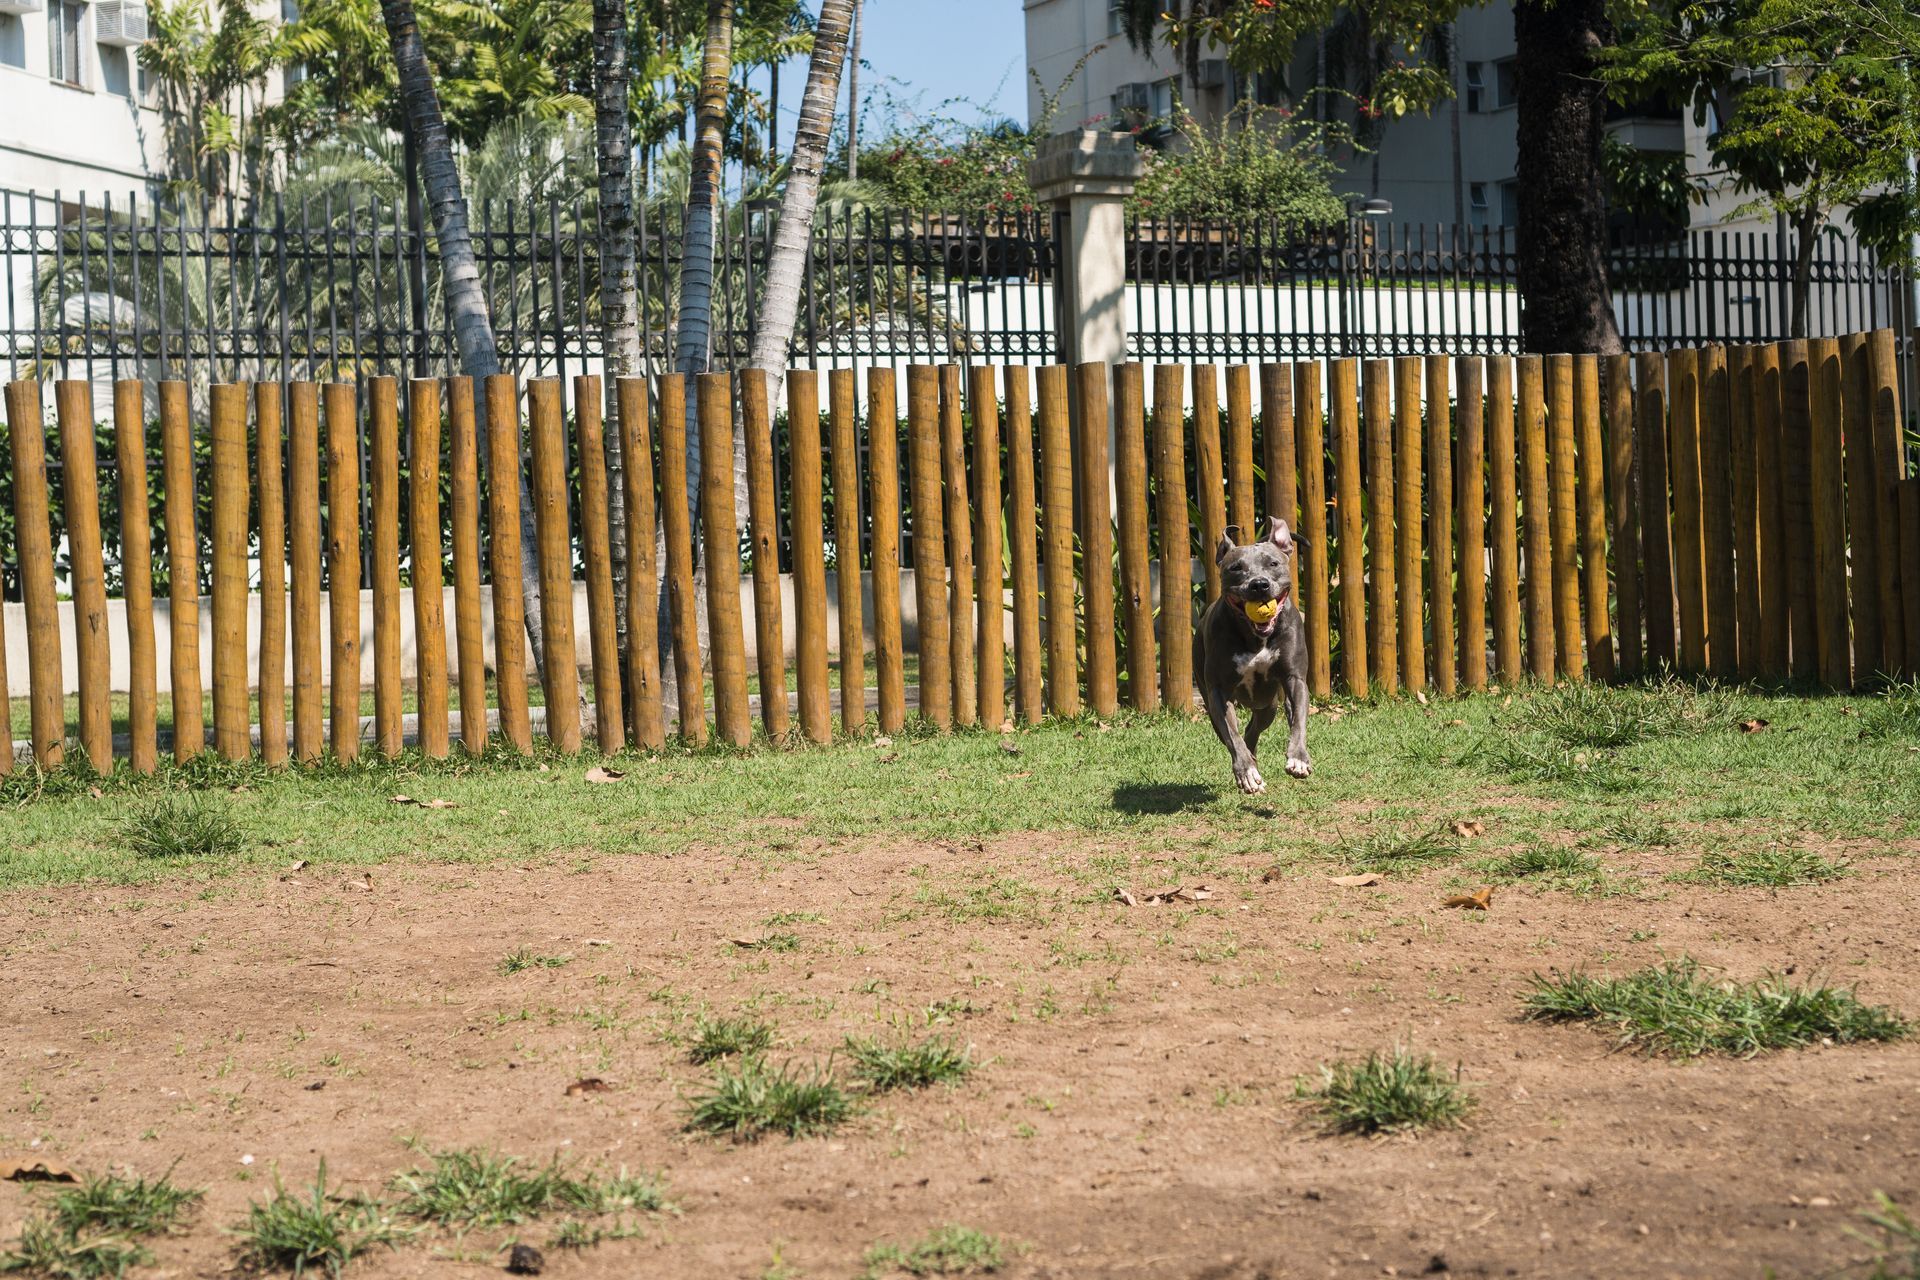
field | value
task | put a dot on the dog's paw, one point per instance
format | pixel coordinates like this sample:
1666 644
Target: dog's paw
1250 780
1299 767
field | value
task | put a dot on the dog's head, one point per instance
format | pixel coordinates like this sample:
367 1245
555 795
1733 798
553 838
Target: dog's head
1257 574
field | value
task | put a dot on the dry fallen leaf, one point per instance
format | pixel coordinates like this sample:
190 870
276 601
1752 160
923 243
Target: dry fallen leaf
1467 828
1356 882
601 774
39 1171
525 1260
882 741
364 884
1010 747
1479 900
1421 695
300 864
95 792
401 800
1180 893
1125 896
438 804
1754 725
591 1084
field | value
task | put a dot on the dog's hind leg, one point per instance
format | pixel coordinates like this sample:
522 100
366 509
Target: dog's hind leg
1299 764
1245 772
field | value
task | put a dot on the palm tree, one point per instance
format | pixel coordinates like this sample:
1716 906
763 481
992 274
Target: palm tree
619 298
792 238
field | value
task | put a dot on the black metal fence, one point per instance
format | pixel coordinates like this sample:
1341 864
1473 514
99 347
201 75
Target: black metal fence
106 288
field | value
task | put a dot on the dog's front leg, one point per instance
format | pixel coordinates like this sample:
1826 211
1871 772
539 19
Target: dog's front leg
1299 764
1245 772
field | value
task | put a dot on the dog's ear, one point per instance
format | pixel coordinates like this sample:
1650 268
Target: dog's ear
1278 533
1225 546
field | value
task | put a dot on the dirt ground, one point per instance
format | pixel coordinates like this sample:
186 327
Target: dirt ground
1134 1113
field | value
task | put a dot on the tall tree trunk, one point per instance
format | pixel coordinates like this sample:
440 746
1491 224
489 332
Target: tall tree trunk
1806 231
1565 303
780 300
619 296
853 99
466 298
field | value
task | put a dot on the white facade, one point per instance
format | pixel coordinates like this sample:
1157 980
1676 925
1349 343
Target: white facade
74 116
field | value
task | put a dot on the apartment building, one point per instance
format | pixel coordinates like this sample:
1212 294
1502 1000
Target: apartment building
75 111
1454 166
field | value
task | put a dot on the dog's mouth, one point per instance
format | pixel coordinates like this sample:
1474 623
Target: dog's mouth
1262 615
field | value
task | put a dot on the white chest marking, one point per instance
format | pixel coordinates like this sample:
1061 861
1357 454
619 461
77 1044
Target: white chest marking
1254 669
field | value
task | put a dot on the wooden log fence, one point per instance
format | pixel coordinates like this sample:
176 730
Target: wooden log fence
1744 512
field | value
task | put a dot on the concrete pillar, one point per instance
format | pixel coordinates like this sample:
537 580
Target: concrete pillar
1086 176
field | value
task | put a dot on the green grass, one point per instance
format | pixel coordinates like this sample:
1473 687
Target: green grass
44 1248
1895 714
475 1188
1764 868
1389 1093
181 825
716 1038
1895 1240
521 959
1597 716
755 1099
1398 848
884 1067
315 1231
93 1230
1549 866
1673 1008
946 1251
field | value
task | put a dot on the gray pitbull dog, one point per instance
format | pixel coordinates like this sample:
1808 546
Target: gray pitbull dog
1255 663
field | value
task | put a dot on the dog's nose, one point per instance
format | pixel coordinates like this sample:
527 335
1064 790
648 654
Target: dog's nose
1260 584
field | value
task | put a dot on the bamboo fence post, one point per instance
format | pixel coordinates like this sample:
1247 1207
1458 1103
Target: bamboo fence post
763 520
720 523
503 532
1241 512
1096 538
1624 512
1345 397
1561 434
268 404
1056 506
1593 516
136 573
1208 475
1656 531
427 557
1130 500
959 530
33 547
1176 551
883 480
1743 443
1503 504
596 555
1863 530
1279 430
343 571
1689 508
183 573
1383 600
646 723
1440 499
1909 504
1716 513
80 483
1534 514
303 543
1827 492
988 588
843 414
383 407
1471 488
463 460
6 721
1309 433
809 556
929 545
676 520
1888 471
546 424
1023 554
1409 502
229 567
1775 630
1796 503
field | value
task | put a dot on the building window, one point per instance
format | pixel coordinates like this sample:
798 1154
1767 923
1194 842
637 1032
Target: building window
1510 204
1506 83
65 24
13 42
1476 87
1478 211
1116 17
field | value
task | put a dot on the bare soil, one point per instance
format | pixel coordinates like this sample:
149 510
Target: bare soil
1134 1113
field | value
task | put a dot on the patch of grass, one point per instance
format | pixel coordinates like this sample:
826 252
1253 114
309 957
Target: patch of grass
1398 848
1673 1008
1390 1093
779 918
932 1061
1894 714
1896 1240
1550 866
946 1251
318 1231
1578 714
990 898
770 942
716 1038
755 1099
175 825
475 1188
522 959
1641 830
1764 868
92 1230
1530 758
45 1248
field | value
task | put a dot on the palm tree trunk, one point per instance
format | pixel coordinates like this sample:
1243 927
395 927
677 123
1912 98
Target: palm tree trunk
794 233
619 296
466 298
853 99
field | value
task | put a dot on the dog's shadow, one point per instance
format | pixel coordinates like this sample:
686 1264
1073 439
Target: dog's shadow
1163 797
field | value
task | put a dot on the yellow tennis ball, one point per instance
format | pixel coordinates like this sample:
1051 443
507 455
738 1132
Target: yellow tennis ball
1262 610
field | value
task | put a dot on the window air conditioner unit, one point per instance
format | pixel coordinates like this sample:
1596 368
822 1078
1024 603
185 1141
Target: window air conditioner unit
120 23
1133 97
16 7
1211 73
